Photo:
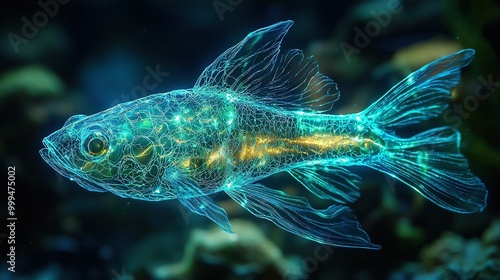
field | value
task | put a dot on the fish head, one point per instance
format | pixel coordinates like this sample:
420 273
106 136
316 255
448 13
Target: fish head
102 153
80 151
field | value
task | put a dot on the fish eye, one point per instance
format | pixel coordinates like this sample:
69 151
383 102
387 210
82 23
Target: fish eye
95 144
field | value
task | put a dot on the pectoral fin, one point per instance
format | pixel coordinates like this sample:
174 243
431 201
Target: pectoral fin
335 225
191 195
206 206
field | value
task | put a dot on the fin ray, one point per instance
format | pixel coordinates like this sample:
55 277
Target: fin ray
190 195
335 225
422 95
255 68
329 182
431 163
206 206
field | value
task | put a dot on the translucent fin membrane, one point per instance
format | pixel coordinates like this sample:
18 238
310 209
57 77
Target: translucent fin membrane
255 68
422 95
431 163
329 182
335 225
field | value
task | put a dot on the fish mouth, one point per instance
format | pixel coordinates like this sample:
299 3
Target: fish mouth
63 166
53 157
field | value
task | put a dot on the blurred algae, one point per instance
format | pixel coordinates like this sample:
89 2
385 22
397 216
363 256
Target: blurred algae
454 257
214 254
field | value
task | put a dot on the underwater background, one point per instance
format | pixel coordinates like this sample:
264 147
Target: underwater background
59 58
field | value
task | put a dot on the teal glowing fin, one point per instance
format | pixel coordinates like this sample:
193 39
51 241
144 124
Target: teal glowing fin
422 95
335 225
329 182
190 195
430 162
256 68
206 206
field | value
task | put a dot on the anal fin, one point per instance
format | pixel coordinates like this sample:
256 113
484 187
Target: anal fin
336 225
329 182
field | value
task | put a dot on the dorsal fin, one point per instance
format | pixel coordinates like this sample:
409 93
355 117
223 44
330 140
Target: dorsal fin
255 68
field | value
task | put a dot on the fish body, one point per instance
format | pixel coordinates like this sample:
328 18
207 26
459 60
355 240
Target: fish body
255 112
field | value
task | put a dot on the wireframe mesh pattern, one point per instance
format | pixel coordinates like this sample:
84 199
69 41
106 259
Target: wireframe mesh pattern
255 112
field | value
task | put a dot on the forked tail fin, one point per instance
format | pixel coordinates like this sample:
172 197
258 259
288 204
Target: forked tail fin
429 162
422 95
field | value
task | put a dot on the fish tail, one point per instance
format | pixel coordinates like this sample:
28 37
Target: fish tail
422 95
429 162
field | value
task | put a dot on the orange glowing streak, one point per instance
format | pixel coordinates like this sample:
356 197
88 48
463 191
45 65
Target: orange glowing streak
266 146
318 143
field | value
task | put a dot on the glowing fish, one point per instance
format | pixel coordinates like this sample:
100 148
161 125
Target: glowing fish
256 111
